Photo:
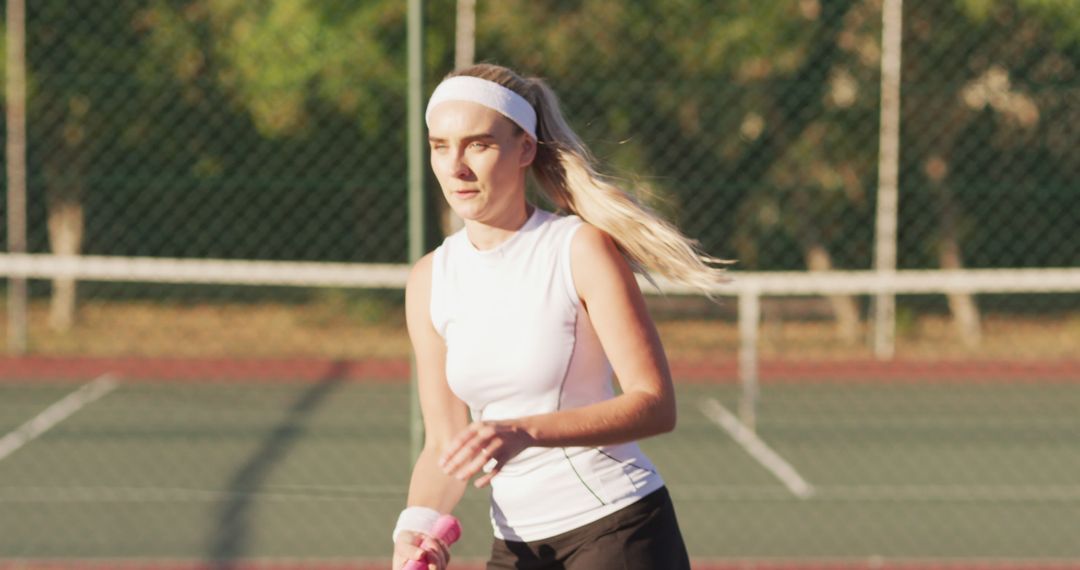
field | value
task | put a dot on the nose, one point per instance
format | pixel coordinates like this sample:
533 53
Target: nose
458 167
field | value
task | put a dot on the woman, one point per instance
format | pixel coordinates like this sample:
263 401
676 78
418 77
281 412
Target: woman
519 321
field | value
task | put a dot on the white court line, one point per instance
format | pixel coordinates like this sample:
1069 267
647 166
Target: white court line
757 448
55 414
956 493
176 495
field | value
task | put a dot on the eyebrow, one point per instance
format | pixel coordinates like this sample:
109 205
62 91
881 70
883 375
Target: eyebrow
466 138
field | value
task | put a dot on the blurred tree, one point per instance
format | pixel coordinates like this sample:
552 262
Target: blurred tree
217 128
981 78
710 102
756 123
274 129
73 116
321 86
276 59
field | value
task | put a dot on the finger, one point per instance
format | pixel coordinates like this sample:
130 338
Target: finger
438 553
478 453
409 552
460 458
466 453
467 463
486 479
412 545
431 560
456 445
480 458
450 452
407 543
444 550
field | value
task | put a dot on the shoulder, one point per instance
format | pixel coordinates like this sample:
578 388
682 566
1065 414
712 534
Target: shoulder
551 219
592 243
420 274
422 271
418 306
597 263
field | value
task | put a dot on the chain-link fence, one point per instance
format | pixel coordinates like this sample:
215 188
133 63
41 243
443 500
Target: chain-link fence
229 422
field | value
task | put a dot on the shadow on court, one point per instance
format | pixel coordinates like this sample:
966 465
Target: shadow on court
230 537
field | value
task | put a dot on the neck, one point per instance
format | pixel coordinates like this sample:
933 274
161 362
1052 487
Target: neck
490 233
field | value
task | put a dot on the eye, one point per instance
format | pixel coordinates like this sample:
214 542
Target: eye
476 145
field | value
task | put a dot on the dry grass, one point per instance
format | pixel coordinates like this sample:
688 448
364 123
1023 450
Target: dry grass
930 337
217 330
335 328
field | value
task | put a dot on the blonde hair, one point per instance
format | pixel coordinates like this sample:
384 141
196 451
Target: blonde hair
568 177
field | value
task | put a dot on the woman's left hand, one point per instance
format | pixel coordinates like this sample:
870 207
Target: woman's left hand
481 443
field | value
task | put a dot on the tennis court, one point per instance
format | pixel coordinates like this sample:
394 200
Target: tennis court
312 473
211 208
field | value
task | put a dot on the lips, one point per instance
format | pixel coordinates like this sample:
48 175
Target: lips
466 193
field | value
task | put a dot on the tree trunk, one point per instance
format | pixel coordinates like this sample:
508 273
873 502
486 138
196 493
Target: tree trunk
844 308
64 173
964 311
65 222
785 123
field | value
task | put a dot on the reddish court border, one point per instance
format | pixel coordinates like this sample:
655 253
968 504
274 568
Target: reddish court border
198 369
55 368
735 564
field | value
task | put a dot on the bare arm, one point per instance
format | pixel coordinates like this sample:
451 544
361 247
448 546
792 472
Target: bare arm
617 310
646 406
444 414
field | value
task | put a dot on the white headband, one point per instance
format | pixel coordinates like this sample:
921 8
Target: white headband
486 93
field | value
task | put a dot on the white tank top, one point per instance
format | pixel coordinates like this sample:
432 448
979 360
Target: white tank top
519 343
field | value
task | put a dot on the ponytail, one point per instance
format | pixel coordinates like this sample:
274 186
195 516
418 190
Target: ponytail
568 176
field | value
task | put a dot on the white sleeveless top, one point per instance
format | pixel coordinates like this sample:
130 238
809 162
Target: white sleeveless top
519 343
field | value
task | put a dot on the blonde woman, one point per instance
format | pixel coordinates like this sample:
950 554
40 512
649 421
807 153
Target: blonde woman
518 323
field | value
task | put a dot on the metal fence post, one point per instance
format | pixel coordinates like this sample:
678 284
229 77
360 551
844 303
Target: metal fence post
416 186
749 319
15 153
888 177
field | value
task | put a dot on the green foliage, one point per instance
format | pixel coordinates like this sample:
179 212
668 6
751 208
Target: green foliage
978 10
3 57
366 307
274 58
1061 16
276 129
712 117
907 321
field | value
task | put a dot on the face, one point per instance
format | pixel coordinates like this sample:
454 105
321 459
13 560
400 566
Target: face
480 159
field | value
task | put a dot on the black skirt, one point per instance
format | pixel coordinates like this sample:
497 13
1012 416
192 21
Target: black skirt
642 536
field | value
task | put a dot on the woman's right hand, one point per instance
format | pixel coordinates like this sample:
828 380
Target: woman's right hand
413 546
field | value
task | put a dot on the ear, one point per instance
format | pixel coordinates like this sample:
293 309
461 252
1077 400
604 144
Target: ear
528 150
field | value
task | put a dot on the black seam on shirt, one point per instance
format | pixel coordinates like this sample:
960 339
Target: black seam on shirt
629 463
558 406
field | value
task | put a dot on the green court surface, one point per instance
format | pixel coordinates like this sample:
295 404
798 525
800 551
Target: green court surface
234 471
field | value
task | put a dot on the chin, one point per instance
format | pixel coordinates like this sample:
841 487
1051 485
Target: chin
467 211
464 213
